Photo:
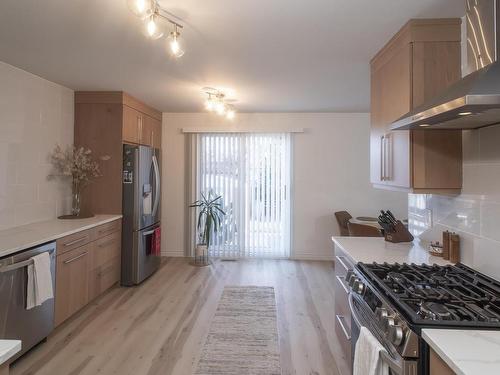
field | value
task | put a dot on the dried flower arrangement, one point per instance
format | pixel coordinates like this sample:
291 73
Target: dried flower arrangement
77 164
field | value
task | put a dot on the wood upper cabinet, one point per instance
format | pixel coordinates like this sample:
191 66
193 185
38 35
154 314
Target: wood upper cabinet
131 125
151 132
421 60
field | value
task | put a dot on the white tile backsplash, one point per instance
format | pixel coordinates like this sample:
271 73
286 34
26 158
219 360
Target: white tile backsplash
35 115
475 214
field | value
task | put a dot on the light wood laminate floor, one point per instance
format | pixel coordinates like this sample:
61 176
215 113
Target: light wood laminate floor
160 326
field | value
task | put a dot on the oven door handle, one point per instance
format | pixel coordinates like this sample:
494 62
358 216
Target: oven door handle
353 311
385 357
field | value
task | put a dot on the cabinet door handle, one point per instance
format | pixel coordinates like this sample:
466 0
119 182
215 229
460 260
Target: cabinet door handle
75 241
341 261
341 320
109 230
382 158
388 156
75 258
341 280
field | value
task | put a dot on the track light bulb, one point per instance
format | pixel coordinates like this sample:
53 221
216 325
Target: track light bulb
152 29
141 8
220 108
176 49
209 105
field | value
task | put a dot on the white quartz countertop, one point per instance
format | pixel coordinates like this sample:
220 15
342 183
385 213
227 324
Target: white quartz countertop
376 249
8 348
466 352
26 236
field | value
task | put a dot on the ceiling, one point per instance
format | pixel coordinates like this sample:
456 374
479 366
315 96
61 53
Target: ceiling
278 55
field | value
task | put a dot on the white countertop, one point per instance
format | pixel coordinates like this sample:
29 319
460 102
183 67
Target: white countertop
26 236
8 348
466 352
376 249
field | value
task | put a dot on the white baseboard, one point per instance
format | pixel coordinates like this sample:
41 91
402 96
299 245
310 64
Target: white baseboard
175 253
312 256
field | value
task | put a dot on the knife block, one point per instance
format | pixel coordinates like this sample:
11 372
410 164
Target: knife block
400 234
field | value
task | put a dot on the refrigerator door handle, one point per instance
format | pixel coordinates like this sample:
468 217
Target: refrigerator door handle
157 185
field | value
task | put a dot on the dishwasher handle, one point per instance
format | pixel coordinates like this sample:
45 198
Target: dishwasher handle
18 265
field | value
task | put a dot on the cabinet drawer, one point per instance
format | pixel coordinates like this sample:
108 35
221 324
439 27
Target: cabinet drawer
72 282
73 241
104 277
106 229
343 334
342 302
342 265
105 249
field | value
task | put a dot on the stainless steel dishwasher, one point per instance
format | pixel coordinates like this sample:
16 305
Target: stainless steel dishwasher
29 326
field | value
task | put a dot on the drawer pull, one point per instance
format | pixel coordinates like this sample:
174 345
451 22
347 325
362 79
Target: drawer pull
81 239
341 281
105 271
341 320
75 258
107 242
340 259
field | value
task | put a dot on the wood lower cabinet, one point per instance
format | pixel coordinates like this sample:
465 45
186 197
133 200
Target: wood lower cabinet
72 282
85 272
342 312
420 61
437 366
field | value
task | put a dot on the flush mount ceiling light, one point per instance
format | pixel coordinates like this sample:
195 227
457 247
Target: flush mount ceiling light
218 102
150 12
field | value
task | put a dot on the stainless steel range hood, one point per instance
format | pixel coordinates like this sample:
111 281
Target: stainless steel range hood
474 101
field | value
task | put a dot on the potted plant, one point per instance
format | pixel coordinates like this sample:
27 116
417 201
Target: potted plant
209 222
75 164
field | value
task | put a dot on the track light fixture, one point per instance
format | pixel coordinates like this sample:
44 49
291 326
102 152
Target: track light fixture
217 102
150 12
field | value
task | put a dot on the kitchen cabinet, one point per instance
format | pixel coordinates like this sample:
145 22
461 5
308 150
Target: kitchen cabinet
421 60
437 366
72 280
342 312
88 269
104 121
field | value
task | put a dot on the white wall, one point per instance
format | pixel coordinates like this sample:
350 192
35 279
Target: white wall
35 114
475 214
330 173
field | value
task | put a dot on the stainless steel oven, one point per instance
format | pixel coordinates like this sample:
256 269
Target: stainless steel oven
371 310
29 326
362 317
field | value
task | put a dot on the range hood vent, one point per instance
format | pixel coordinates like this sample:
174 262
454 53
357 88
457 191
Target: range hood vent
474 101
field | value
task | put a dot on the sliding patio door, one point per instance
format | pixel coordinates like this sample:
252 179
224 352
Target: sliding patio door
251 172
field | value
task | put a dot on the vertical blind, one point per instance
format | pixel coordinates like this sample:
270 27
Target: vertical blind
252 174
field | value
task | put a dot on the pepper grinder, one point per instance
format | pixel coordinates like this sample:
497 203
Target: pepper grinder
454 248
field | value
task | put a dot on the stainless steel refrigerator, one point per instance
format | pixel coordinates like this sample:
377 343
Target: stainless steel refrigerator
141 212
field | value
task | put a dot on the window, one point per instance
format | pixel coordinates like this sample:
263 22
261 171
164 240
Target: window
252 174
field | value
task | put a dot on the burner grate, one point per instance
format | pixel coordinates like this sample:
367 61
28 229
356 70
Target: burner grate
444 294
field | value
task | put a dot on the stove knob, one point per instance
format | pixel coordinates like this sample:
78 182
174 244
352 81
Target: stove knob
358 286
381 314
388 322
396 334
349 276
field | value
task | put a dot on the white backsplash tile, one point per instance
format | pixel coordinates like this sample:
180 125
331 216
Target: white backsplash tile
475 214
35 114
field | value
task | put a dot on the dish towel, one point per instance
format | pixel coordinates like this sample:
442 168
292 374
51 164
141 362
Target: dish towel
156 242
367 359
39 286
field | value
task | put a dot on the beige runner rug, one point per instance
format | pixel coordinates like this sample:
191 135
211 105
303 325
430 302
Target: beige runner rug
243 336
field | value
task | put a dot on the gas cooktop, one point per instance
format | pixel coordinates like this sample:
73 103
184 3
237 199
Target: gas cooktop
438 295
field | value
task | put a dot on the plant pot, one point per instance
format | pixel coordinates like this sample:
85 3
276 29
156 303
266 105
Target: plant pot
201 255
